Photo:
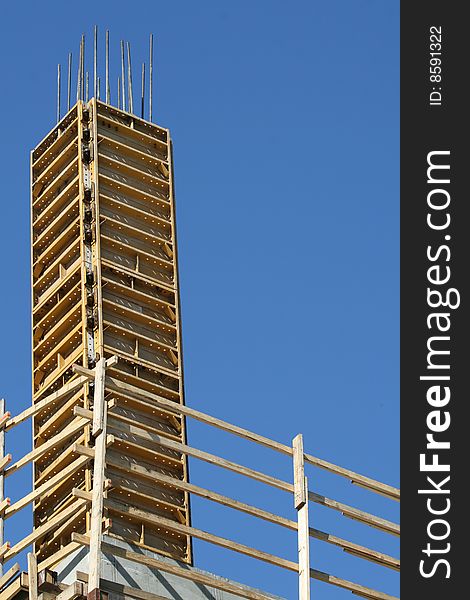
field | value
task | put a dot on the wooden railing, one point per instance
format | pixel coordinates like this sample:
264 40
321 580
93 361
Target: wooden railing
98 502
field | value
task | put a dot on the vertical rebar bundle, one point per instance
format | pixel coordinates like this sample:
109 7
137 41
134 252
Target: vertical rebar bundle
125 92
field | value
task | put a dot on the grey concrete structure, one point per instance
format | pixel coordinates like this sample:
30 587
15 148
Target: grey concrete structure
127 573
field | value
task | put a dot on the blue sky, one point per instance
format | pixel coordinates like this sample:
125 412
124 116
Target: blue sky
285 123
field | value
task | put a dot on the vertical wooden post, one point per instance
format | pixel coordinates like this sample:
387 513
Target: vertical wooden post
32 576
98 398
99 425
301 505
2 479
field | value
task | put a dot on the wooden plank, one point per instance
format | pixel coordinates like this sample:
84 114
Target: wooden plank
70 430
32 576
89 374
4 579
43 529
355 588
53 540
167 567
223 585
57 557
147 517
62 460
215 460
155 477
4 461
348 511
121 590
98 398
45 487
54 397
367 482
98 477
301 506
57 418
71 272
4 418
356 514
18 585
300 493
75 590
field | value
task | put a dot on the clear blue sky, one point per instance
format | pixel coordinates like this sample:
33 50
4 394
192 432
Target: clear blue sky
285 122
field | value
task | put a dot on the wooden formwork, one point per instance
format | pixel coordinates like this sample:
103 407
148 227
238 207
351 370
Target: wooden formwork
105 283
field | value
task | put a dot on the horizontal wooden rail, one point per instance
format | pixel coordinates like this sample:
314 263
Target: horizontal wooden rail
156 477
43 529
356 514
61 476
243 592
54 397
12 572
69 431
366 482
346 510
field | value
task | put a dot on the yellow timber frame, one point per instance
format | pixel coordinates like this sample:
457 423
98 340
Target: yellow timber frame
105 283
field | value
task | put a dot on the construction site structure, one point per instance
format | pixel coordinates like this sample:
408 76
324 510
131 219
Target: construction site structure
110 494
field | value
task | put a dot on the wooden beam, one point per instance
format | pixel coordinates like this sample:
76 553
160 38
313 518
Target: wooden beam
150 518
98 399
100 422
90 373
4 548
33 410
155 477
43 529
121 590
4 579
356 514
301 506
32 576
77 464
58 556
70 430
216 460
358 590
366 482
18 585
75 590
167 567
4 418
4 461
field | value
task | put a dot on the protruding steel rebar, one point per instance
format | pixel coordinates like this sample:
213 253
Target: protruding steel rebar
95 62
123 77
79 72
108 91
69 81
86 86
119 93
83 67
151 77
129 78
142 97
58 93
98 91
